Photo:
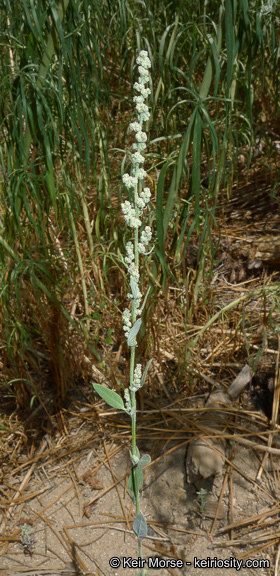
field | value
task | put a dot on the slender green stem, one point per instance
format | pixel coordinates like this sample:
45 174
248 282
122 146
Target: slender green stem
132 213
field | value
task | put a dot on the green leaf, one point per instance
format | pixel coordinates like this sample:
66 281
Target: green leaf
134 288
145 373
111 397
176 177
96 316
140 527
108 339
165 267
139 480
159 206
144 461
230 43
197 143
134 331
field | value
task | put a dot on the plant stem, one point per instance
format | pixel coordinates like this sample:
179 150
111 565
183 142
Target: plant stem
132 367
132 213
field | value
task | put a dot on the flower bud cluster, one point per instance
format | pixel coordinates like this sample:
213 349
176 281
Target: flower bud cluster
129 181
145 239
134 459
127 324
133 209
137 378
127 400
130 215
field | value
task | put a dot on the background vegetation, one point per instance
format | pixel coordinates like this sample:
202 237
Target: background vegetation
67 72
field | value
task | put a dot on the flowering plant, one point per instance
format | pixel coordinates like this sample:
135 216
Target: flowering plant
133 211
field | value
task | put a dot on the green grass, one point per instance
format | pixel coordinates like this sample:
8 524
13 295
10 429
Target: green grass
66 75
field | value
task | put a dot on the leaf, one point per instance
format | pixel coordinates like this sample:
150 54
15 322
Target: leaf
159 207
139 479
111 397
145 299
195 181
164 265
109 340
96 316
140 526
134 288
144 461
230 43
176 177
134 331
145 373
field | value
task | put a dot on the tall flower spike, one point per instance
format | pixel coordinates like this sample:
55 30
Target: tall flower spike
134 208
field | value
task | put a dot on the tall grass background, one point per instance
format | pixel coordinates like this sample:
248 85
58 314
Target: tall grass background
66 72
